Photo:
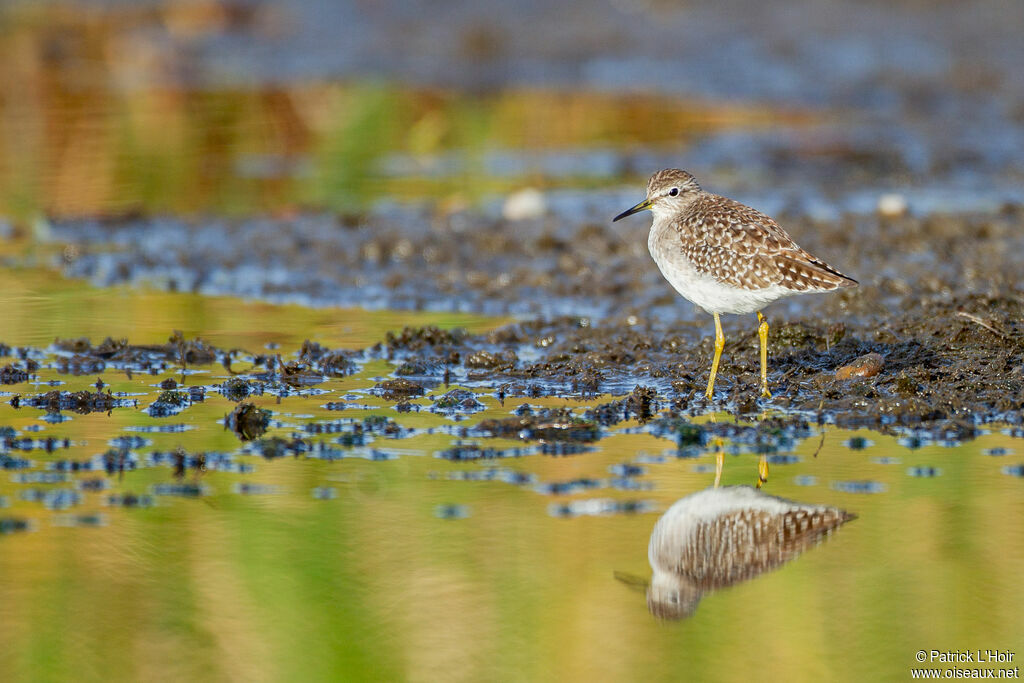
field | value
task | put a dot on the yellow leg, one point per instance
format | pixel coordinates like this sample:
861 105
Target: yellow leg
762 471
719 345
719 461
762 333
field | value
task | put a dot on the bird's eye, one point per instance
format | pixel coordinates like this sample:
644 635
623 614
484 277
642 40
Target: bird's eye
673 192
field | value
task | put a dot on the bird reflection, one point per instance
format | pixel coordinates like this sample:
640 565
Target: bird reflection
719 537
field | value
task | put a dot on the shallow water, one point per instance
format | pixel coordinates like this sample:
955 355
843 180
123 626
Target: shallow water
377 558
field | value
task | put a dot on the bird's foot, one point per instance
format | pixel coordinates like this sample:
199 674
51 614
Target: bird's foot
762 471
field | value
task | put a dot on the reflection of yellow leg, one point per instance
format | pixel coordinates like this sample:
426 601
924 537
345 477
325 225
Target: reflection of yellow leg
719 345
762 332
719 461
762 471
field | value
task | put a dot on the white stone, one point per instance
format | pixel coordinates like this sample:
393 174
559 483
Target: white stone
524 205
892 204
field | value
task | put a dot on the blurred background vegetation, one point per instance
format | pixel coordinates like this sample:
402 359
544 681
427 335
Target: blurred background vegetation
254 106
104 111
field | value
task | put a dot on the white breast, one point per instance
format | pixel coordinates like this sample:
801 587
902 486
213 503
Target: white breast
703 290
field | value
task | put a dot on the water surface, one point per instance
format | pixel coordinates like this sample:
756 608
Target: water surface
379 558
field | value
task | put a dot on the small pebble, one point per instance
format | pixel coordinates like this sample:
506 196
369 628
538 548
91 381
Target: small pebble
892 205
523 205
867 365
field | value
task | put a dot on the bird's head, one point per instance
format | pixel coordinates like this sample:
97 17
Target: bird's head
668 192
672 597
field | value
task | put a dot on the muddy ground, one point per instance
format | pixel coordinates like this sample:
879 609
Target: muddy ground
572 260
943 365
940 302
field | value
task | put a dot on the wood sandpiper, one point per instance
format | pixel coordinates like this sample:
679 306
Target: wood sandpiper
726 257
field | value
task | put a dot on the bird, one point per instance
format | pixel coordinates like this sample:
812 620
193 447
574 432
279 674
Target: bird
727 257
719 537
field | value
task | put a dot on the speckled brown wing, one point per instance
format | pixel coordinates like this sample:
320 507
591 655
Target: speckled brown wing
742 247
746 543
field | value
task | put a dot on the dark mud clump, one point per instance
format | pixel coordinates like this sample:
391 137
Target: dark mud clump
168 403
419 367
384 426
297 373
177 349
334 363
471 452
280 447
11 374
484 359
337 364
457 401
398 389
81 402
238 389
247 421
79 365
547 425
640 405
419 338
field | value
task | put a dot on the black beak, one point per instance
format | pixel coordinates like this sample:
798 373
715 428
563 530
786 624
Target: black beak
642 206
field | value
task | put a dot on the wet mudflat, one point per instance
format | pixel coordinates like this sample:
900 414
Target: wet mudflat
936 322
